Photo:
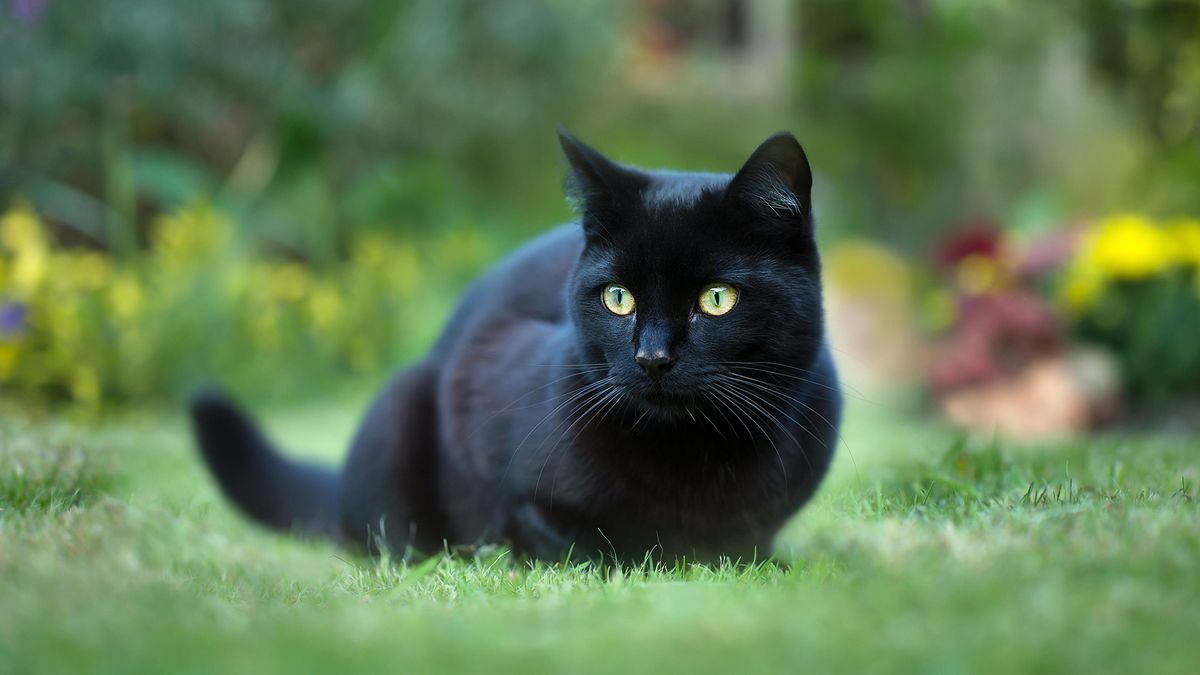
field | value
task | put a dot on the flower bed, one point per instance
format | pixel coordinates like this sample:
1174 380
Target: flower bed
82 326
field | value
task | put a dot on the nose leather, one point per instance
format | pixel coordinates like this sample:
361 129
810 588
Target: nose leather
655 345
655 364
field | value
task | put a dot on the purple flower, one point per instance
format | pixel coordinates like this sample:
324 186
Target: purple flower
12 318
27 11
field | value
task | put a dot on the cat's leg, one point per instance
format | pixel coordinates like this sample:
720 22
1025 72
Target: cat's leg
389 499
554 535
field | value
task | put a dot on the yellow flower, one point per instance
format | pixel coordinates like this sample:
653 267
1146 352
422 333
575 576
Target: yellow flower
125 296
289 281
864 268
405 269
21 234
977 274
325 306
62 320
85 385
370 250
20 230
1185 240
1083 285
464 249
92 270
29 270
374 257
9 351
86 271
193 233
1129 247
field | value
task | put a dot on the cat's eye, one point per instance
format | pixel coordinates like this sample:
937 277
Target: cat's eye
718 299
617 299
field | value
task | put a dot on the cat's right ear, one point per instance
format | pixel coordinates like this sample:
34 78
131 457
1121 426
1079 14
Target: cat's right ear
594 181
776 181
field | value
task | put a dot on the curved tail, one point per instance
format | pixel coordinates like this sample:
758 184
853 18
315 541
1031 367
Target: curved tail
267 487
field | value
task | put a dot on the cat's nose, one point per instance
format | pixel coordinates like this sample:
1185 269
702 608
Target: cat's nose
656 364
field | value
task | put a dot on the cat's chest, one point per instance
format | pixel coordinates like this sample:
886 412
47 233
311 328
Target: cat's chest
699 516
693 488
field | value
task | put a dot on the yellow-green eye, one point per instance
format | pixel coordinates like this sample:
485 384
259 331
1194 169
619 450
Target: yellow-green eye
718 299
617 299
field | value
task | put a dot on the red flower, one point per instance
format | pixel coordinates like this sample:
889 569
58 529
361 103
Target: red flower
978 237
996 335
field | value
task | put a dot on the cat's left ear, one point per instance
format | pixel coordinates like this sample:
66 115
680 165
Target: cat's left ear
594 181
776 181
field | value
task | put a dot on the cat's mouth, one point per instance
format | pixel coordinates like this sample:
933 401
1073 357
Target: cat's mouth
668 400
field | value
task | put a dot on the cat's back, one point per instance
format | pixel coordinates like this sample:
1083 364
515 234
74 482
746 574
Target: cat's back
527 285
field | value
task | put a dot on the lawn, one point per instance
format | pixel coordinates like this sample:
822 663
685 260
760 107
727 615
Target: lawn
923 552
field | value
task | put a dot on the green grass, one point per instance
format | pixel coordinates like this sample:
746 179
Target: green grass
922 553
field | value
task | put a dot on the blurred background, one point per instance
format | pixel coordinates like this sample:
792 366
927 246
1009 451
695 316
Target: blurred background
288 195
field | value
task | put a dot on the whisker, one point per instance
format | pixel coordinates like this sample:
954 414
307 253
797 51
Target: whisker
639 419
778 367
755 399
748 381
574 396
712 424
605 408
778 391
513 405
730 389
591 402
790 376
721 399
844 388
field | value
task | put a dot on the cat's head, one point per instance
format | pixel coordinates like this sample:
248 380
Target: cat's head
689 281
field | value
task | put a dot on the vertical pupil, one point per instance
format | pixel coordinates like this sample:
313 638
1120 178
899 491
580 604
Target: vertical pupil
617 295
717 298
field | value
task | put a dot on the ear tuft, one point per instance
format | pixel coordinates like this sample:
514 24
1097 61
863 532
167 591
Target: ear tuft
776 181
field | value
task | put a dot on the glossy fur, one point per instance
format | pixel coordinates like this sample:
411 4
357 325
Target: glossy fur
533 421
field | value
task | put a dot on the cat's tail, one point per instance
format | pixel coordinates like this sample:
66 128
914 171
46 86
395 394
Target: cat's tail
266 486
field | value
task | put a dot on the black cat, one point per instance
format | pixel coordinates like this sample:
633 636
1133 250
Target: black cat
653 379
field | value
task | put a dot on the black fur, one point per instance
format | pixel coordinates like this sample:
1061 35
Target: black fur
531 422
271 489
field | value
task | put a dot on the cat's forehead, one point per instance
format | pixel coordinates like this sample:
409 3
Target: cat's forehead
674 191
668 255
674 230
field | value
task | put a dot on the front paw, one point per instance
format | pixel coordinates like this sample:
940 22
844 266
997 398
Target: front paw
535 534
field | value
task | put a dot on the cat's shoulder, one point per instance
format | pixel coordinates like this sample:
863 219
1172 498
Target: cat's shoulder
528 284
559 244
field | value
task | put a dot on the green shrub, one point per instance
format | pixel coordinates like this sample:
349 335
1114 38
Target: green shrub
80 325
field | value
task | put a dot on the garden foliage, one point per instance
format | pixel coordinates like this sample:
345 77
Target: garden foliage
77 324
